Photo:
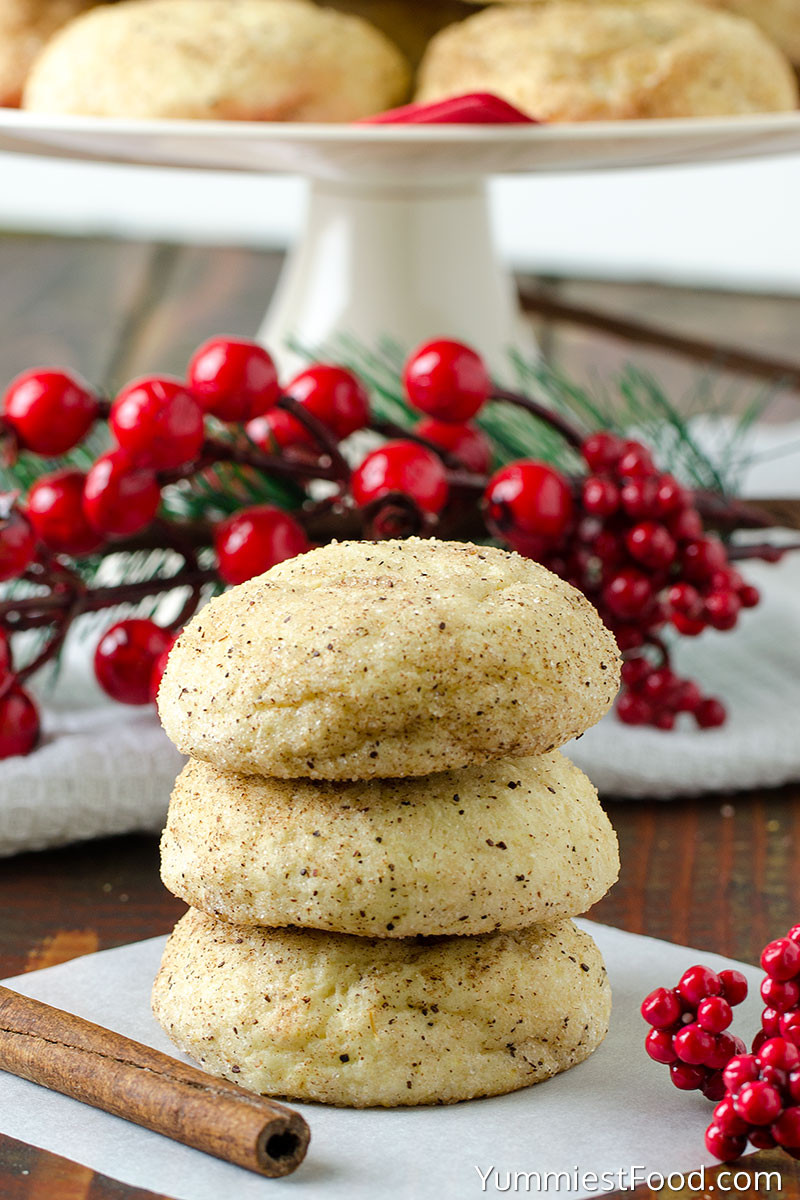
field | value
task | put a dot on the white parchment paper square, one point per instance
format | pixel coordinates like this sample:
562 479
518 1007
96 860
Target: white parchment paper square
615 1112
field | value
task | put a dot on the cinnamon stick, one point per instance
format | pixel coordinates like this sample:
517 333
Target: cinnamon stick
111 1072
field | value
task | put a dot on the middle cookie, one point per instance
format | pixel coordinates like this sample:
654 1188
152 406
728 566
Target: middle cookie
500 846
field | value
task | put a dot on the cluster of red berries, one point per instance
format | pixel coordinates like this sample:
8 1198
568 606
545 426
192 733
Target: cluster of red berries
625 534
631 538
761 1104
757 1094
689 1028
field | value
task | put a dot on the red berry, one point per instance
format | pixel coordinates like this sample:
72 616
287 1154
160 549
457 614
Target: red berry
740 1070
664 720
779 1052
749 596
635 460
529 498
710 714
19 723
334 396
635 671
698 982
794 1086
688 697
726 1047
794 934
714 1014
774 1075
721 609
723 1146
255 539
790 1026
125 657
686 625
670 496
702 557
693 1044
686 525
403 467
629 637
467 443
234 379
686 1077
757 1102
712 1087
660 686
158 421
658 1044
278 430
447 380
786 1130
771 1022
601 451
684 598
633 710
628 593
17 544
661 1008
728 1120
638 498
55 509
762 1139
734 986
758 1041
600 496
781 959
651 544
780 994
5 656
50 411
119 497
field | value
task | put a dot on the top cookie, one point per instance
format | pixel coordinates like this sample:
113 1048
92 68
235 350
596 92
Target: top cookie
248 60
364 660
584 61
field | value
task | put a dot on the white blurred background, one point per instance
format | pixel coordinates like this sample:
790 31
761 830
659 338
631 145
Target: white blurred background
732 226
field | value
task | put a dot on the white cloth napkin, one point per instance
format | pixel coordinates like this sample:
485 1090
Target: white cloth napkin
615 1112
106 768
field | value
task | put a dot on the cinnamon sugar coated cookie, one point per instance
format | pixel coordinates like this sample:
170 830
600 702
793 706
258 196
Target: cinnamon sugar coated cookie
779 19
463 852
362 1022
364 660
258 60
575 60
25 26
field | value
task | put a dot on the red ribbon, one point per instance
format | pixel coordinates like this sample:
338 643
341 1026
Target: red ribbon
477 108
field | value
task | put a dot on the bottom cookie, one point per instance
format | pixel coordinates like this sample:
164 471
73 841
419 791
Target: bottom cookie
364 1021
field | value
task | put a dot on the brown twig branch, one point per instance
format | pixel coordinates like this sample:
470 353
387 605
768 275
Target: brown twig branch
732 358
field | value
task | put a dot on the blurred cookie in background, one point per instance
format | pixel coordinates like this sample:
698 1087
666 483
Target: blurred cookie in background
25 26
780 19
249 60
578 60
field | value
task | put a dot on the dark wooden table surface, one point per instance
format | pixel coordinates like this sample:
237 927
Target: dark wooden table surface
719 873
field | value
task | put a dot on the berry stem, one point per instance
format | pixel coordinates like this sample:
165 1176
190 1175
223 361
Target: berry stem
34 612
560 424
766 551
321 434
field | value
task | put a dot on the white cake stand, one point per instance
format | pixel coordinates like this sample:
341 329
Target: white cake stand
397 238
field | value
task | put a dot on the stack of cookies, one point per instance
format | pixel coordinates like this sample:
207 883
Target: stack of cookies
379 842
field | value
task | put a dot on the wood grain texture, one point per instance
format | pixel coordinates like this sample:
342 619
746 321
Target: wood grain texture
719 873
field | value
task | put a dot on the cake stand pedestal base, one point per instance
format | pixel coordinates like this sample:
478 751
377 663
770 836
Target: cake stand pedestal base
409 261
